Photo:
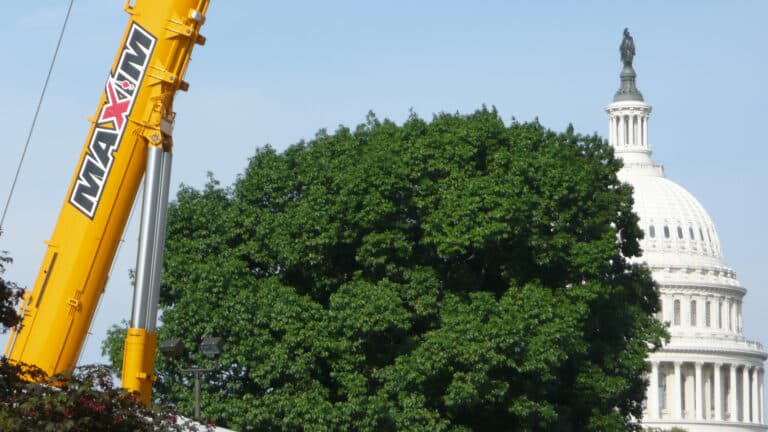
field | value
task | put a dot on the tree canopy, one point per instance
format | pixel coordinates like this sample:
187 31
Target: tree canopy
452 275
10 294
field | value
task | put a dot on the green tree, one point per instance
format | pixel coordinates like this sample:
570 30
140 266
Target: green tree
10 294
452 275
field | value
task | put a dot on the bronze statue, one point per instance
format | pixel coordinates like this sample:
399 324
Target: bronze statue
627 48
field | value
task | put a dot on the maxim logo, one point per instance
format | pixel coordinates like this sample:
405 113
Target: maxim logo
120 93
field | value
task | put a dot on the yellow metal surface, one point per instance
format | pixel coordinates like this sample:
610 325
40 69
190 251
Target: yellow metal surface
132 114
139 362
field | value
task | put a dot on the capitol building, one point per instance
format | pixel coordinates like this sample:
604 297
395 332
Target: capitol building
708 377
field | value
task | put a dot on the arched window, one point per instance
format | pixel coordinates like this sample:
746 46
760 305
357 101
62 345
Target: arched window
652 231
720 314
679 232
693 313
731 311
707 314
690 231
701 234
676 317
666 231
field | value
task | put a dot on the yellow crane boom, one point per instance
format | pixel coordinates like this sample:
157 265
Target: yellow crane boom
130 136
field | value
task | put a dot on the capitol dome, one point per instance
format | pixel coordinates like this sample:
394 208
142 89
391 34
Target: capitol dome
708 377
681 243
677 228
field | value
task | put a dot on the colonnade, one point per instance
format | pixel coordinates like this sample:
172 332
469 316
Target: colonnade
715 313
629 130
681 390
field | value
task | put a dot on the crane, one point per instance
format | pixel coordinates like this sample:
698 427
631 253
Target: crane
130 139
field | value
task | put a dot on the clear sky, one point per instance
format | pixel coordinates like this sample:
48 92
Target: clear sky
276 72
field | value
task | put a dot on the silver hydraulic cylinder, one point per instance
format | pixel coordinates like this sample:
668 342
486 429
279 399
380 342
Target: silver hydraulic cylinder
149 261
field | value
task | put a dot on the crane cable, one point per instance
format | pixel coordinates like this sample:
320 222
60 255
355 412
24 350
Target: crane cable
37 111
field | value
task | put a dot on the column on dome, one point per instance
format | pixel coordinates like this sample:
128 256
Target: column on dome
724 312
698 390
610 130
653 391
707 393
670 304
717 386
733 403
739 317
745 394
622 130
689 390
761 395
753 376
627 130
620 124
677 393
645 131
731 316
636 126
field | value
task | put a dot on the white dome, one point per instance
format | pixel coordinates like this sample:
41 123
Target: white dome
678 231
681 245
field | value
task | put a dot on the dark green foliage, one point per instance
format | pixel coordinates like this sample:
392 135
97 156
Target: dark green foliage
456 275
10 294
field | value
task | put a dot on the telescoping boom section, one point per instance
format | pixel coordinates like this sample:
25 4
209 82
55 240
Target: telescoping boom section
130 136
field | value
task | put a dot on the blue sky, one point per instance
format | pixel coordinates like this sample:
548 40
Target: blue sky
276 72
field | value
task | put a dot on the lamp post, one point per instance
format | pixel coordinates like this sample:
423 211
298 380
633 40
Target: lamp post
210 347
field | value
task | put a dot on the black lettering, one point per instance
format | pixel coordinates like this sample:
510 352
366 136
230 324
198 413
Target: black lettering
135 55
102 146
86 193
88 186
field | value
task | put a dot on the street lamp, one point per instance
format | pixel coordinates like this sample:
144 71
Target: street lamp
210 347
173 347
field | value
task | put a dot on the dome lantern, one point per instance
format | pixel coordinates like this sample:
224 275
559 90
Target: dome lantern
628 116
